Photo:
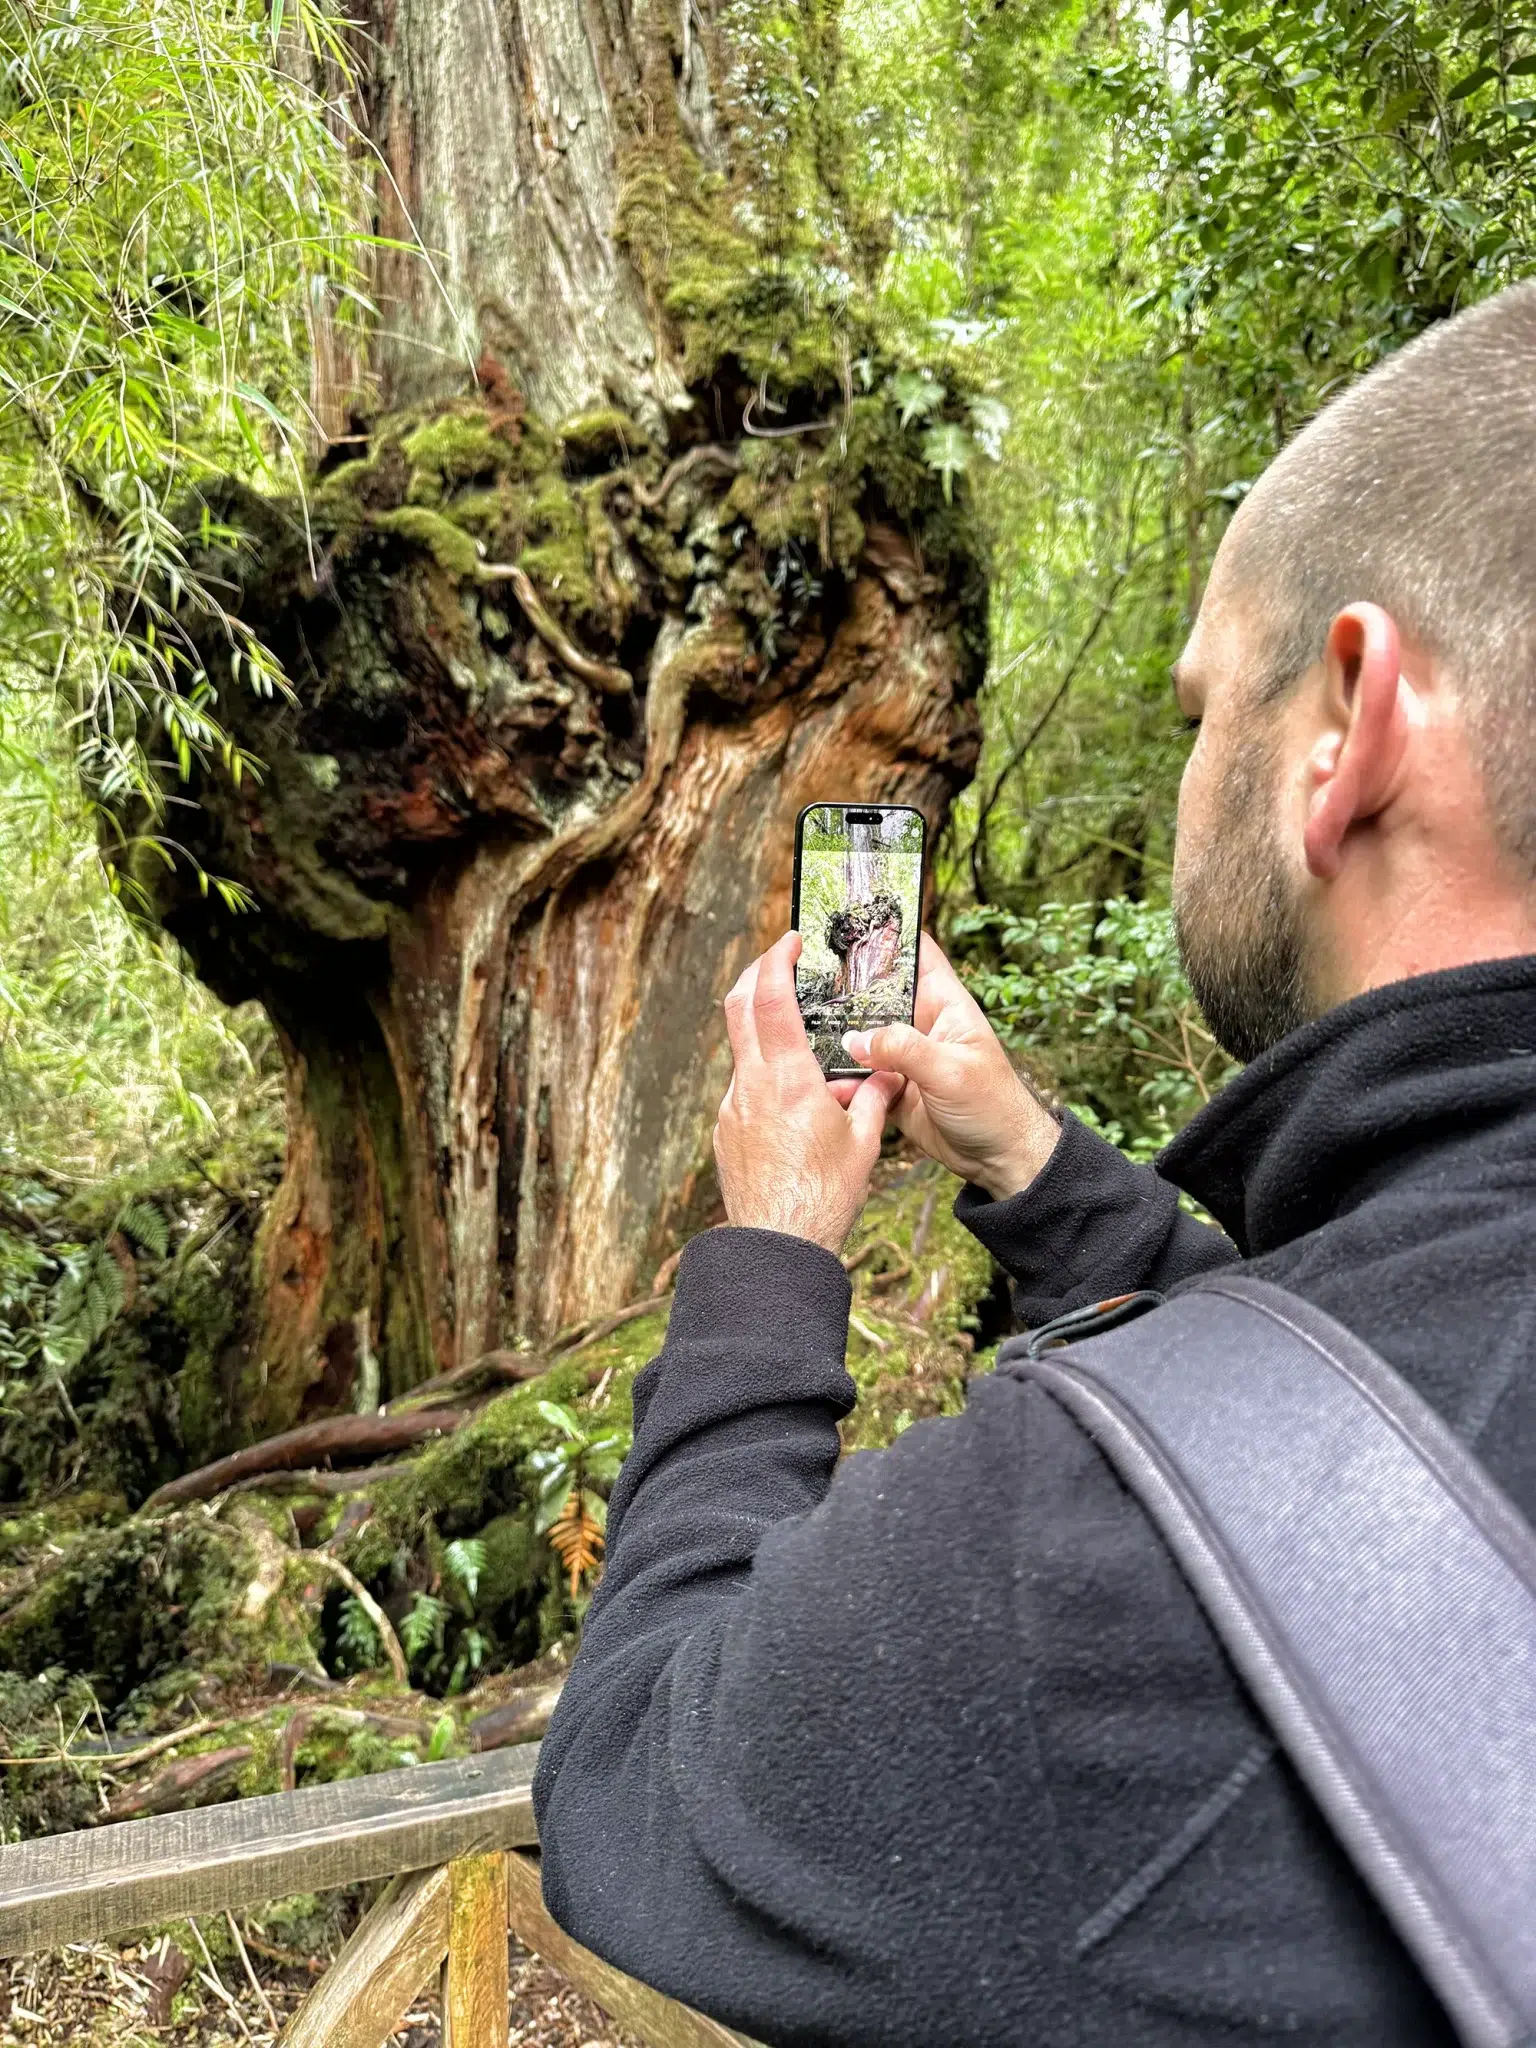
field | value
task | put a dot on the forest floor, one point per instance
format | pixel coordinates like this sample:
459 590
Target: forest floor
106 1995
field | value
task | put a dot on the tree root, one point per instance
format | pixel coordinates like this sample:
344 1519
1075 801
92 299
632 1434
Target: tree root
383 1627
617 682
712 453
581 1336
347 1436
508 1368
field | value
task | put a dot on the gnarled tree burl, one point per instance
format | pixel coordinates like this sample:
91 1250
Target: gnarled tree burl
626 556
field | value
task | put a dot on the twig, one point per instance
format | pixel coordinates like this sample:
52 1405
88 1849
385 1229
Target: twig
779 433
215 1982
256 1985
371 1608
925 1219
651 1305
880 1343
288 1958
618 682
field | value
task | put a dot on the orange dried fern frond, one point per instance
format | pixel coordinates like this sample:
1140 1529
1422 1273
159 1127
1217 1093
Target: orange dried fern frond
577 1537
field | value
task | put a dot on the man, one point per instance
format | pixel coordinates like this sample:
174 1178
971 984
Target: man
942 1748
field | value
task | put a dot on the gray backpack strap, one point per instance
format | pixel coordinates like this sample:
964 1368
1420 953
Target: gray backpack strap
1375 1590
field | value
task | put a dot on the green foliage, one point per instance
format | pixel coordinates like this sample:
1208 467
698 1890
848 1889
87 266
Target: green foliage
110 1053
579 1461
1096 1000
173 210
356 1637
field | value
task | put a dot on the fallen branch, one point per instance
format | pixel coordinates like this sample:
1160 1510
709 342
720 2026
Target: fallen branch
356 1437
315 1480
511 1368
520 1718
630 1313
186 1783
370 1607
617 682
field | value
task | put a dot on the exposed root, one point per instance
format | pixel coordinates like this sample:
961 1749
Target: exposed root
383 1626
341 1436
617 682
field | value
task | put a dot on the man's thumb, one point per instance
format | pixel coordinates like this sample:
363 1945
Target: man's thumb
871 1104
900 1050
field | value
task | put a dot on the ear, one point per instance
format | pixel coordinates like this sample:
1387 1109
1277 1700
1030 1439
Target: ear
1355 759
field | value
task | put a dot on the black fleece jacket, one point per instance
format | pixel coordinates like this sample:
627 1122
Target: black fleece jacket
936 1746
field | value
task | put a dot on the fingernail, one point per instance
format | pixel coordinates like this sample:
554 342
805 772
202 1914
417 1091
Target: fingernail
856 1045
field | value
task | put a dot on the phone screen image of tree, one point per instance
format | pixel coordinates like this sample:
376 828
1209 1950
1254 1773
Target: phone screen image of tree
860 912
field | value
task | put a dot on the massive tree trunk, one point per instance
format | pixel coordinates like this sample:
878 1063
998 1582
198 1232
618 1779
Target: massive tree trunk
627 556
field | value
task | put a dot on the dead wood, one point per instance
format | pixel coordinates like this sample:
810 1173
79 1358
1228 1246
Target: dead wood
354 1437
316 1481
506 1368
189 1782
163 1971
630 1313
383 1627
520 1718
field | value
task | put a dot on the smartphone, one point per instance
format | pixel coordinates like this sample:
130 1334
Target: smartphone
858 909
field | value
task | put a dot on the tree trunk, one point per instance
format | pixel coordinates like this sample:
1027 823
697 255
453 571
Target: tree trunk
628 558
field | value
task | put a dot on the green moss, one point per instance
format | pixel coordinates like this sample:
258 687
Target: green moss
911 1339
556 555
453 449
131 1606
603 435
449 545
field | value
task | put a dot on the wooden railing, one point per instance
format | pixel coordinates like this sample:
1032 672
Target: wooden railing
448 1836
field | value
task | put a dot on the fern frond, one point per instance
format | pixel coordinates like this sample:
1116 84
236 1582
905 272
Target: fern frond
147 1226
577 1539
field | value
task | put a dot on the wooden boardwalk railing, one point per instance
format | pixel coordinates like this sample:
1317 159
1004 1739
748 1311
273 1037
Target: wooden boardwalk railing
447 1835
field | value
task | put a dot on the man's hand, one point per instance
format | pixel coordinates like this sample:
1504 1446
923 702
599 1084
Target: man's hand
963 1104
793 1155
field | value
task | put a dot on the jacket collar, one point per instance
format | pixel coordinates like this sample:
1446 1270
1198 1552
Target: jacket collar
1392 1084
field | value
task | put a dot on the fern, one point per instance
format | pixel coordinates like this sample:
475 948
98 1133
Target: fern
87 1299
421 1631
464 1560
577 1535
147 1226
357 1637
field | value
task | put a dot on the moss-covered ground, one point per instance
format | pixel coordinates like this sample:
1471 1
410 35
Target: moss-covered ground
223 1618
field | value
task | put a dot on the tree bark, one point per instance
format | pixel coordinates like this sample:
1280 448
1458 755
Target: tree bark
628 559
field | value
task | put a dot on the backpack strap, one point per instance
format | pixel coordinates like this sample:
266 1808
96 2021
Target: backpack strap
1375 1590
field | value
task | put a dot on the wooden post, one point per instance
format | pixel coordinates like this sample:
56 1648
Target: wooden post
367 1991
475 1983
653 2017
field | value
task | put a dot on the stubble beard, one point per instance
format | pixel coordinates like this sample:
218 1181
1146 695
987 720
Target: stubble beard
1239 922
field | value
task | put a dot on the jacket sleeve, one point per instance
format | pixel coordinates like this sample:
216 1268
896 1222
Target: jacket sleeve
1091 1224
776 1712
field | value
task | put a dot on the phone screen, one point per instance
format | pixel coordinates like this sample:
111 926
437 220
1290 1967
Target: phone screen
858 910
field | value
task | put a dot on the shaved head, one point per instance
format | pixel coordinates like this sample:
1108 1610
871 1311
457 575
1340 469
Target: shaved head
1416 490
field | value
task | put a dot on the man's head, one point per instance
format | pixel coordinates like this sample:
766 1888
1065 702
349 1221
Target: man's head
1361 802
